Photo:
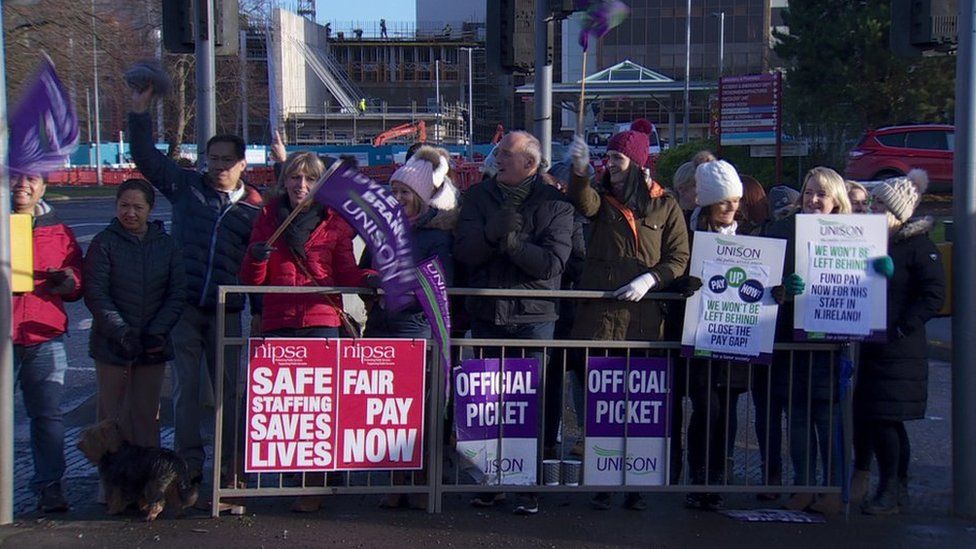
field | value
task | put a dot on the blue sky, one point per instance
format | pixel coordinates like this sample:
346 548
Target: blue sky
366 10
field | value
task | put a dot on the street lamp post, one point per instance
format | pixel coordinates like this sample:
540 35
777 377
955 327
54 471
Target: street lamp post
98 120
721 42
470 107
687 96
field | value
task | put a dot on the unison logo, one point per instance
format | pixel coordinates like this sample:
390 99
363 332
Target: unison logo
837 228
614 460
732 249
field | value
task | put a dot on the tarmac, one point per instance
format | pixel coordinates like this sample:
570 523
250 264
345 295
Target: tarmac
565 520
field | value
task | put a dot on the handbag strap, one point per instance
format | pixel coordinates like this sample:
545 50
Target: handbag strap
344 317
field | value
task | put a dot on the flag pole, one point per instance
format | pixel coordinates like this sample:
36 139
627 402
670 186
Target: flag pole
304 203
579 115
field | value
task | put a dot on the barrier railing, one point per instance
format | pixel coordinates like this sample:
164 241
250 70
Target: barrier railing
802 393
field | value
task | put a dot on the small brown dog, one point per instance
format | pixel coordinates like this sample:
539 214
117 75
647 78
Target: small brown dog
148 477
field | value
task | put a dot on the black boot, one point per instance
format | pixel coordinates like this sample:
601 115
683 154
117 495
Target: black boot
885 502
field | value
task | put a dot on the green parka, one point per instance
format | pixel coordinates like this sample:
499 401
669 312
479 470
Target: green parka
616 253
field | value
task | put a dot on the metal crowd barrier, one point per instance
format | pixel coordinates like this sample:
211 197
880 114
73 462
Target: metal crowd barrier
743 467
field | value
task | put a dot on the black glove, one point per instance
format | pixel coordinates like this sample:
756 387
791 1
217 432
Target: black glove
778 293
129 345
261 251
60 281
501 224
373 281
686 285
153 342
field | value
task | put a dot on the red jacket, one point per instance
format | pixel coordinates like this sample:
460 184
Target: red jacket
39 316
329 258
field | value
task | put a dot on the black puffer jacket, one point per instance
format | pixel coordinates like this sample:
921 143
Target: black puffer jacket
212 232
892 381
547 232
132 283
814 374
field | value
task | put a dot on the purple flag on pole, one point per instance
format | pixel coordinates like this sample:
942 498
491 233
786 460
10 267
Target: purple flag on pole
376 215
432 294
43 127
600 16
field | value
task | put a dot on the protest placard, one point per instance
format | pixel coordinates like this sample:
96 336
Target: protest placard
627 423
845 299
334 404
496 408
733 316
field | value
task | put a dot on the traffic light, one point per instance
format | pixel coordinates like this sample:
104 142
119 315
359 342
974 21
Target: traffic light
179 26
561 9
923 27
510 35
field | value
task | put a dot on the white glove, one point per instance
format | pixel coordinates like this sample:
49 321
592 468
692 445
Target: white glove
579 154
637 288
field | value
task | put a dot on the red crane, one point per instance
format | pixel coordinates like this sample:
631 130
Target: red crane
419 128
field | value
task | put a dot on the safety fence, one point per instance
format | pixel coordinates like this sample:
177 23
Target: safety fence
560 415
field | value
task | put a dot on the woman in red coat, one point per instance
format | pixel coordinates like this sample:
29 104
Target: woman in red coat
315 250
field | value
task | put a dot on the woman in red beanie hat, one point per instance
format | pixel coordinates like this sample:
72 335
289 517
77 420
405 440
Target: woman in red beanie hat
638 243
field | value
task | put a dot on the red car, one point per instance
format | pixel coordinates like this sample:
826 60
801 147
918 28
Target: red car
893 151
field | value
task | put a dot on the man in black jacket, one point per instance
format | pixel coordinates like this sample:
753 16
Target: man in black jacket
213 213
515 232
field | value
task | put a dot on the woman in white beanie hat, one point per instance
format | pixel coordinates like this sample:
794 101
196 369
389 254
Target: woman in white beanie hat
714 386
892 383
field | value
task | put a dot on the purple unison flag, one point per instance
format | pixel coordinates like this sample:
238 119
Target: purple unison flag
635 400
432 294
600 16
376 215
43 127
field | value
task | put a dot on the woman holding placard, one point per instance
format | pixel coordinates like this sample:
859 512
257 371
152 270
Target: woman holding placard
315 249
714 387
803 384
892 384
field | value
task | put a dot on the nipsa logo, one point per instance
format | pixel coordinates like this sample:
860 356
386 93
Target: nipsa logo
276 352
368 352
837 228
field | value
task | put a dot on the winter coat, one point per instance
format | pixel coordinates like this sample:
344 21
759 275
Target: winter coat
615 255
211 231
892 382
39 316
133 284
547 232
431 236
329 259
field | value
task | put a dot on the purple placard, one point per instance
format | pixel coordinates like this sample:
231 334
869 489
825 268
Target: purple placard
481 389
607 397
376 215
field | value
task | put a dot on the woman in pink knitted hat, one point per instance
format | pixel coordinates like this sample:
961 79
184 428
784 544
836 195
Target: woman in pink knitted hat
638 244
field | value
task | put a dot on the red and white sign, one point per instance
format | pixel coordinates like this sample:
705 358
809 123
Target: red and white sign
334 404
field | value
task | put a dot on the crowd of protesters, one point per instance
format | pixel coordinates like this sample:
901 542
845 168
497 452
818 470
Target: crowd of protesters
153 298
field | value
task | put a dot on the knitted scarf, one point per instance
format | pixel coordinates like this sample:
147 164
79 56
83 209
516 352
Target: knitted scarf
296 234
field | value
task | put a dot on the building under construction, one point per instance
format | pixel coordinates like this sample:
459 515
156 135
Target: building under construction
359 86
